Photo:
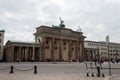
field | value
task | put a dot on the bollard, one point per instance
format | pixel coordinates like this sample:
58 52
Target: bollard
103 75
35 69
92 74
87 74
11 69
98 70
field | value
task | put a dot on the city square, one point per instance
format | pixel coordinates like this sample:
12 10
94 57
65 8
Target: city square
59 40
59 71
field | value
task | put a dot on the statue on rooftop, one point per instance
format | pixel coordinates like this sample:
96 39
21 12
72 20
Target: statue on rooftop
61 25
54 26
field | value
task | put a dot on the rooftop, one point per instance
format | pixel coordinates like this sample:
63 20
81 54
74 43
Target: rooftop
27 42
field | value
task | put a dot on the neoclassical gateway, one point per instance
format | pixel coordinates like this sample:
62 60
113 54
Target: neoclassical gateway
55 43
60 43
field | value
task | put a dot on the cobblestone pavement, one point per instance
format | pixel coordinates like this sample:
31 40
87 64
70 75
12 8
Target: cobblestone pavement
114 77
50 72
47 76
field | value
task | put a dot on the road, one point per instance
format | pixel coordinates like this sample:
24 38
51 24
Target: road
56 68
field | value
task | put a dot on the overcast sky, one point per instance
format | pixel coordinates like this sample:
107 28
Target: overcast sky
97 18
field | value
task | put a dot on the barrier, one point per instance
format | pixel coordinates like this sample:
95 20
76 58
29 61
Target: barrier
90 69
35 69
23 69
12 68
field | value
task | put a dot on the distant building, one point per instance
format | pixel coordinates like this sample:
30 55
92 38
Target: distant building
114 49
58 43
1 43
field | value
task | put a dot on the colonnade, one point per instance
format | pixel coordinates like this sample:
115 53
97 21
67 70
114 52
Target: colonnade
62 49
22 53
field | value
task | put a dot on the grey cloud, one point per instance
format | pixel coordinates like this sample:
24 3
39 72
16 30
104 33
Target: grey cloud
97 18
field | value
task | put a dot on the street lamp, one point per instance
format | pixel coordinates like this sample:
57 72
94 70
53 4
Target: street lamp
107 44
33 55
116 54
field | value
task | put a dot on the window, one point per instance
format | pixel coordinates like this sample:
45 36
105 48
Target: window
0 40
55 47
47 42
55 42
72 48
110 50
64 43
47 47
0 35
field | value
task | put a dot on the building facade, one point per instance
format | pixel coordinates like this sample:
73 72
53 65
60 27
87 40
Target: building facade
60 43
91 54
21 51
1 44
114 49
55 43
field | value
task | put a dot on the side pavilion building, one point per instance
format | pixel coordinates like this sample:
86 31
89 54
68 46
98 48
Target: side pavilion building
1 44
21 51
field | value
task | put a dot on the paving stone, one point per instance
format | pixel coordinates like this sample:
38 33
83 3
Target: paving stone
46 76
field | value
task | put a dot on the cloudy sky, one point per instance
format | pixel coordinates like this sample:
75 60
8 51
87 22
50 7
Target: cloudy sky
97 18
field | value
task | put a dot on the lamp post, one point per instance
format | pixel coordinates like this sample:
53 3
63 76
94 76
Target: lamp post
116 54
107 44
33 55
